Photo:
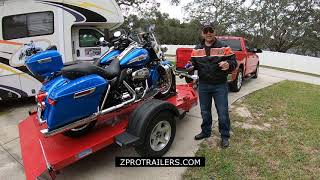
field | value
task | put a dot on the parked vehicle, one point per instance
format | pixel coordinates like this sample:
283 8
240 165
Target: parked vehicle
73 97
248 60
73 27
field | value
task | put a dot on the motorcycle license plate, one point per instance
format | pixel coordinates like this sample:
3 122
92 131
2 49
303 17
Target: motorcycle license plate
90 52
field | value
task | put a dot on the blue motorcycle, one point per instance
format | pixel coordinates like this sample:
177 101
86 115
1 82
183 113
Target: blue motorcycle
73 97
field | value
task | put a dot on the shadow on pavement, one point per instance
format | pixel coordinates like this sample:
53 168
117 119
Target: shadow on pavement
16 103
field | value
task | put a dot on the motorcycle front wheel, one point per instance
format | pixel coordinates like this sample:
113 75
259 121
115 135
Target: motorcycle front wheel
167 85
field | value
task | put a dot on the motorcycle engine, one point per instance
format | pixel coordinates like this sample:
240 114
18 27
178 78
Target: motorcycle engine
141 74
139 78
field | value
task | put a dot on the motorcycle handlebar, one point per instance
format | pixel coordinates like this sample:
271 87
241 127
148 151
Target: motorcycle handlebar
184 74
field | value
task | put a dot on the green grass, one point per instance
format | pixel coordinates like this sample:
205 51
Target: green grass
289 149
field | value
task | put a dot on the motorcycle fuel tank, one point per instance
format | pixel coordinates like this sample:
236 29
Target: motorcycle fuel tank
137 57
74 100
106 59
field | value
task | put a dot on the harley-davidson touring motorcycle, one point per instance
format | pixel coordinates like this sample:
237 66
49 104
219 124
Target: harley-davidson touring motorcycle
74 96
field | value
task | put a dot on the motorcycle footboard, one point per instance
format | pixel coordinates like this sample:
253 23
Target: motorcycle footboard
42 156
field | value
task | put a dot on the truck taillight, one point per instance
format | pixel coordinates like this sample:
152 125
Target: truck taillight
41 97
52 102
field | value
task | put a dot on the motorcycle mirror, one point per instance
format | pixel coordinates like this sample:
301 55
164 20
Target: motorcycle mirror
152 28
164 48
101 39
117 34
131 24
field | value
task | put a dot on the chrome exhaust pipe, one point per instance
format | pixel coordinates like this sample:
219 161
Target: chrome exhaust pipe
75 124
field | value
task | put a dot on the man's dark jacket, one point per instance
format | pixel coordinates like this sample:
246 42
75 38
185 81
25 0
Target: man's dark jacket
208 64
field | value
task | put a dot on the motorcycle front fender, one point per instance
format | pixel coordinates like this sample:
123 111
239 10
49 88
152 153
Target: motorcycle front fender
156 72
166 62
165 66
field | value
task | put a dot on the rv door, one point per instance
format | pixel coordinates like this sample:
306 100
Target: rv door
84 40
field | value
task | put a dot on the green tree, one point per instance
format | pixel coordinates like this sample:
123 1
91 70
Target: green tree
282 24
278 25
168 30
219 12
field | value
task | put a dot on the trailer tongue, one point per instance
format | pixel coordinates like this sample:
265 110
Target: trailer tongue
41 154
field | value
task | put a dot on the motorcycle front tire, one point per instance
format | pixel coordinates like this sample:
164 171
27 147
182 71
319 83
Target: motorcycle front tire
171 89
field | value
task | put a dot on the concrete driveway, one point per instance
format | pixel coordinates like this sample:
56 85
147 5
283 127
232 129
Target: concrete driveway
101 164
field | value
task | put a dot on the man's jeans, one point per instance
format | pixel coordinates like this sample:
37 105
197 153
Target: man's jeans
219 92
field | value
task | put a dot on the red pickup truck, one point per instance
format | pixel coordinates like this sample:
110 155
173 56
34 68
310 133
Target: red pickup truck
248 60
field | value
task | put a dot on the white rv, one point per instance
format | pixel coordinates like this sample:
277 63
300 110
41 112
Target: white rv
73 26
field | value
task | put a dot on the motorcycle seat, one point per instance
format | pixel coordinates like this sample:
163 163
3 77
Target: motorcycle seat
83 69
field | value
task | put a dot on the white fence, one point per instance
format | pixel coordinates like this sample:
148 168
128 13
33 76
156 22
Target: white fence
275 59
291 61
172 48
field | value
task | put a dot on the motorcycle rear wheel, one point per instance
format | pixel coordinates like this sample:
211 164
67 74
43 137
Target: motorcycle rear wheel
80 130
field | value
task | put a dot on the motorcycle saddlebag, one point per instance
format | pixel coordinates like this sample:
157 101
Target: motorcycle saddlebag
74 100
44 63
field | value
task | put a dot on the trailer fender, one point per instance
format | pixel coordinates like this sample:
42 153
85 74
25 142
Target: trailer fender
147 111
140 119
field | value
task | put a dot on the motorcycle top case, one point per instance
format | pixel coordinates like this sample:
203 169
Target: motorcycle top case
44 63
74 100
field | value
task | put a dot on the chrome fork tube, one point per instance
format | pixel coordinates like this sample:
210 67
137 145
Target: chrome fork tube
145 91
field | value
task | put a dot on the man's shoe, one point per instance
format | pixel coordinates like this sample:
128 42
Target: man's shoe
201 136
224 143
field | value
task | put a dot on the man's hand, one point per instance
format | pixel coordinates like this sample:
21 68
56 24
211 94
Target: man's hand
189 67
224 65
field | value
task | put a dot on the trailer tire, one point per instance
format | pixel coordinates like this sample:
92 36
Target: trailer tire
159 135
81 130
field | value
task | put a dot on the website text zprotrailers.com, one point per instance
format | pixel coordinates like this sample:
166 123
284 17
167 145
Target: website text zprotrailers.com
160 162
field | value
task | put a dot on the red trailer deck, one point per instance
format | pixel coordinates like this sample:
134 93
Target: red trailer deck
41 154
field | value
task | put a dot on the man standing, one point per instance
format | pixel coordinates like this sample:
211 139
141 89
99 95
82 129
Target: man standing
214 61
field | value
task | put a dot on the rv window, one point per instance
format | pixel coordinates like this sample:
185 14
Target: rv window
27 25
89 37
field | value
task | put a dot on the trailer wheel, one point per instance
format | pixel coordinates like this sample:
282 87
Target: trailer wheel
236 85
80 130
159 135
